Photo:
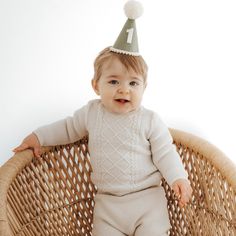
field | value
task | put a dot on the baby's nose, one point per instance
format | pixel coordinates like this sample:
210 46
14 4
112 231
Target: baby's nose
123 89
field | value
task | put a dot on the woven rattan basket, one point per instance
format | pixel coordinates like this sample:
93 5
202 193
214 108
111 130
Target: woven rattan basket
53 194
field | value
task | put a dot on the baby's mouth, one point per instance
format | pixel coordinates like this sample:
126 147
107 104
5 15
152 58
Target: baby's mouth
122 100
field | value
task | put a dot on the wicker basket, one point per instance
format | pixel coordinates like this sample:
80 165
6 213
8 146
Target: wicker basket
53 194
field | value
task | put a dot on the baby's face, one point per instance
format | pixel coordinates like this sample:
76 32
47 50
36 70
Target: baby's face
121 90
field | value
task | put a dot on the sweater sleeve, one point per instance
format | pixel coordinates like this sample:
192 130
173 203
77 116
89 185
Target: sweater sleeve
64 131
164 153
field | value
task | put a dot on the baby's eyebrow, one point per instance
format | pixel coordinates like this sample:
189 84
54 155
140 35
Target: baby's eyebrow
136 78
112 76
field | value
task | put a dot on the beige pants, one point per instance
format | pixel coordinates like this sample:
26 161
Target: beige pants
137 214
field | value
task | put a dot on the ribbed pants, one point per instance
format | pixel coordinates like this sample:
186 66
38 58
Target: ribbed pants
142 213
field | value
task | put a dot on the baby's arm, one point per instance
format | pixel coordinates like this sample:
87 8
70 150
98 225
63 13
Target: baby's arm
64 131
61 132
168 161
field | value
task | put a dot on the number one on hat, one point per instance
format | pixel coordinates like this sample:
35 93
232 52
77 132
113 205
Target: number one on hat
130 35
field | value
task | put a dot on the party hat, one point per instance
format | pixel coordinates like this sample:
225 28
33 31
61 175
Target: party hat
127 41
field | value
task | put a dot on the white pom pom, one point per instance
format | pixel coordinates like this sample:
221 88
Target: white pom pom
133 9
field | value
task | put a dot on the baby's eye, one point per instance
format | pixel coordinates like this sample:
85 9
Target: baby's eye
113 81
134 83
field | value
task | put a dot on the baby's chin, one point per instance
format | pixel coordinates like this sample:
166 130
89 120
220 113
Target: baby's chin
122 110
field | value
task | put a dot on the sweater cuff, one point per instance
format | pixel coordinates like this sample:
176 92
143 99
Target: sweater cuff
40 137
174 175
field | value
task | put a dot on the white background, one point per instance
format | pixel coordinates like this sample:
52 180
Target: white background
47 48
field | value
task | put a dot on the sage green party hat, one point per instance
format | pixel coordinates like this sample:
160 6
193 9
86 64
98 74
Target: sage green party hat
127 41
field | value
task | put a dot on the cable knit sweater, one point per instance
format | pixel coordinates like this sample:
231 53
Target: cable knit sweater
129 152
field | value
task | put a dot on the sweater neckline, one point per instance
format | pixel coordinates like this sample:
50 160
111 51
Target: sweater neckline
122 114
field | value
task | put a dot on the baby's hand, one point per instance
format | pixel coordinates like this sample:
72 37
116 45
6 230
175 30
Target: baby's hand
31 141
182 190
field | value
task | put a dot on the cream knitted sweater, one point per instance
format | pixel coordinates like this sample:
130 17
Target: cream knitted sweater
129 152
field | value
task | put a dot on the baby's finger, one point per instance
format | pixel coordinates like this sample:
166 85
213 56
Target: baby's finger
37 152
184 198
181 204
176 190
22 147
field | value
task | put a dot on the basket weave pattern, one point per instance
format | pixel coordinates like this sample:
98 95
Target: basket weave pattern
53 195
212 210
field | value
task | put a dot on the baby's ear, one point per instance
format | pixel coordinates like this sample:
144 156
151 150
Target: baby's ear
95 86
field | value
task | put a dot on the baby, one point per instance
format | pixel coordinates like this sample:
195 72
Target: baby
130 147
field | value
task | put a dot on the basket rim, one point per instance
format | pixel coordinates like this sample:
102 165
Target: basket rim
209 151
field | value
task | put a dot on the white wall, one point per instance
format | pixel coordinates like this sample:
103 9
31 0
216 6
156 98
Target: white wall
47 48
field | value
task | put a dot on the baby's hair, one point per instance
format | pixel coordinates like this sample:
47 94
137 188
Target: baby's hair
136 63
